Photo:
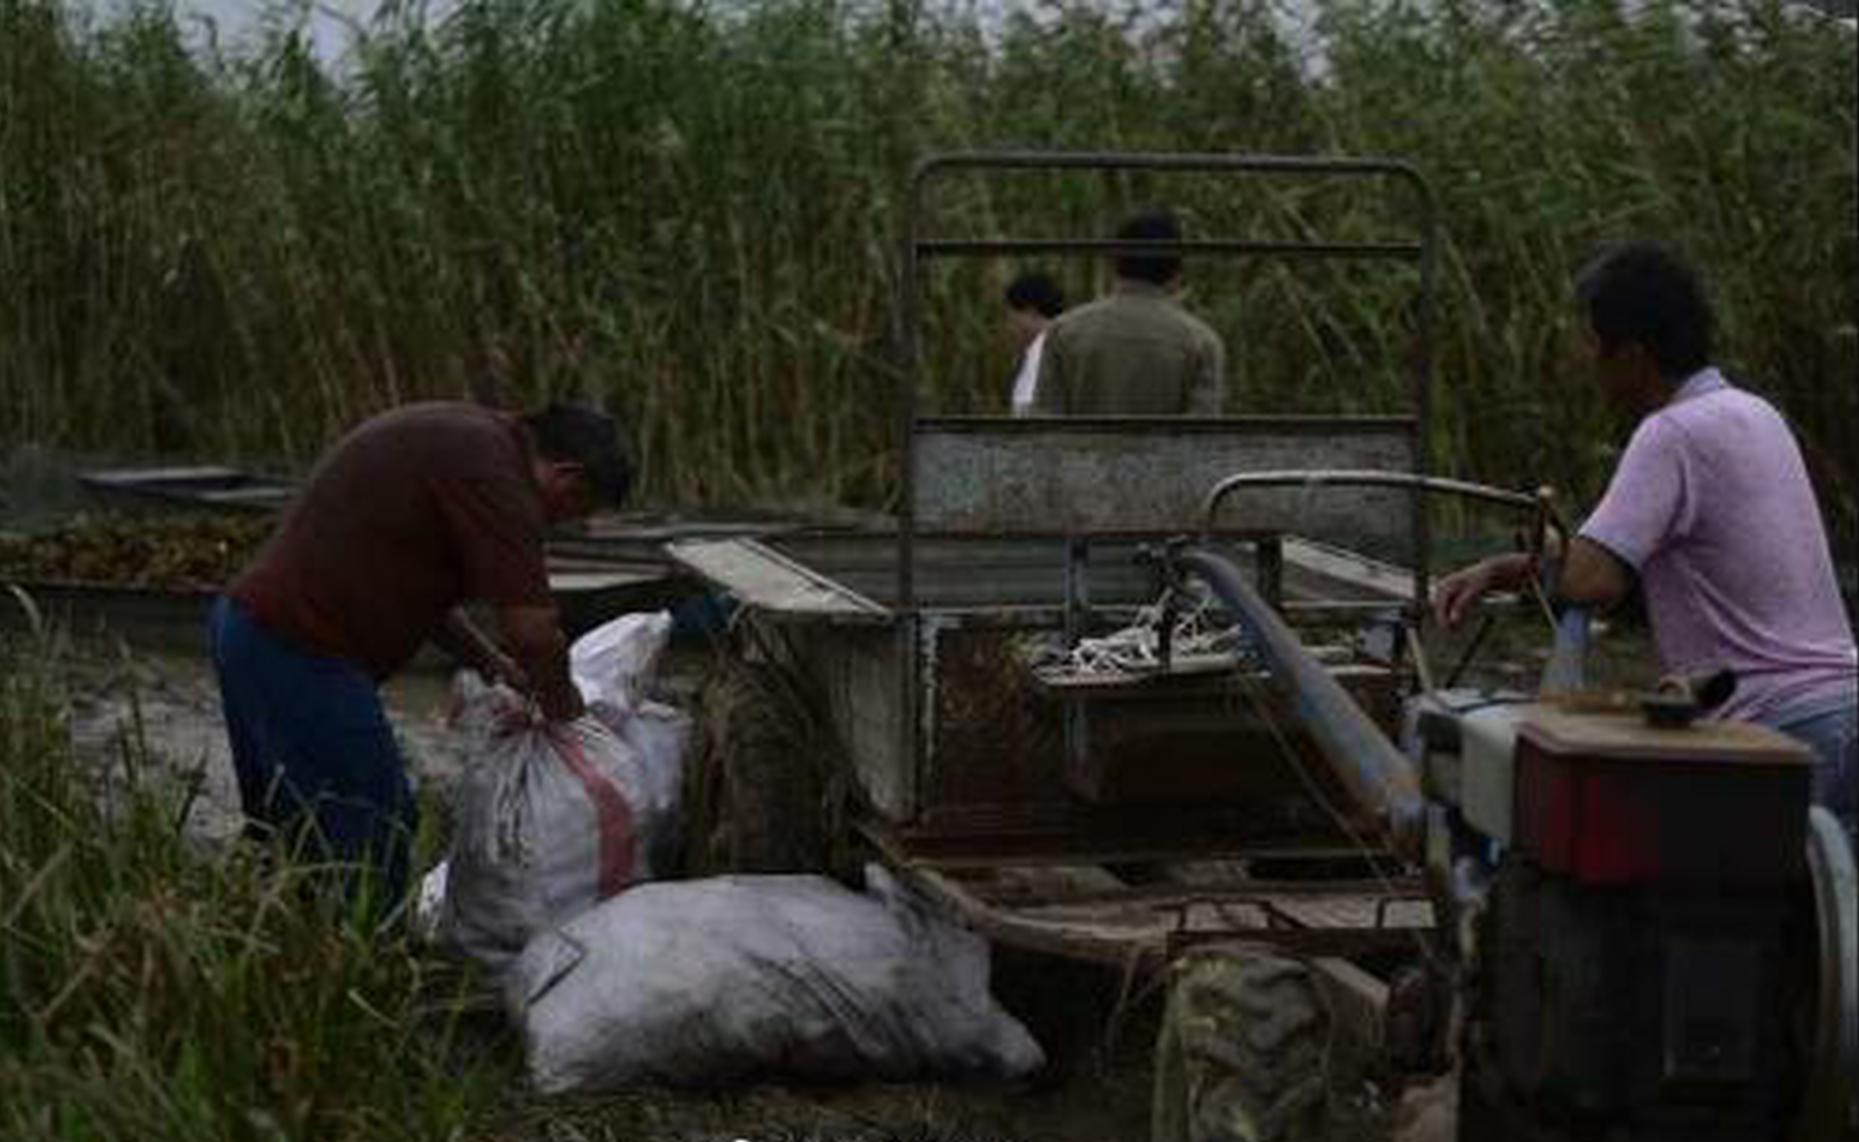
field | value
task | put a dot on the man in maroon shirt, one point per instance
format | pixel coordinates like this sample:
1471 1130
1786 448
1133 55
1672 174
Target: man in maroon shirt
415 512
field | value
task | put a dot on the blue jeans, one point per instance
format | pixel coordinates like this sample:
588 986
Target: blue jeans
1834 735
313 751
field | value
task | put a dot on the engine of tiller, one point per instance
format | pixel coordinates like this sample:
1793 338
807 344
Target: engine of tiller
1640 963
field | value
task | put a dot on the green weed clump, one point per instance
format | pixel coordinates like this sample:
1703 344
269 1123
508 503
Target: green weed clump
149 989
691 212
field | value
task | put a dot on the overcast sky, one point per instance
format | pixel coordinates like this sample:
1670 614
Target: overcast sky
328 22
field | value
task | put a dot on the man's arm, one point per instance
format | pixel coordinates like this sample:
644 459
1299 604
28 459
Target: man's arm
461 638
533 632
1643 508
1455 594
1591 576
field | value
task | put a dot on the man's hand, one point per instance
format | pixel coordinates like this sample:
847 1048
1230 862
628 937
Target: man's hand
533 633
461 638
1455 595
500 667
563 705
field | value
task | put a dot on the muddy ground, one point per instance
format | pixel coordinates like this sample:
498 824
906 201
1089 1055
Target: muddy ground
1096 1089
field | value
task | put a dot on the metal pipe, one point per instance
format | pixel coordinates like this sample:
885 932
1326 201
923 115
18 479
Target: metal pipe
1360 477
1372 771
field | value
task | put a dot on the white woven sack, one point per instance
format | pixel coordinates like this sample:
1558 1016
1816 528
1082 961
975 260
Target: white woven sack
546 826
553 819
793 976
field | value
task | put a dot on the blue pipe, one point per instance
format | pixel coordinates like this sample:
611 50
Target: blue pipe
1376 776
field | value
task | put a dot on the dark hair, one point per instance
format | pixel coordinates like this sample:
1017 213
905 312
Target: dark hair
1642 292
577 434
1035 289
1150 226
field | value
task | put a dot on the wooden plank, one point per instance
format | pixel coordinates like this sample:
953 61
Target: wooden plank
1626 737
587 579
128 477
263 494
195 488
763 578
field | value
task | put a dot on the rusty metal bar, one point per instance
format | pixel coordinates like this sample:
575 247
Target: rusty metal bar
1373 772
1002 247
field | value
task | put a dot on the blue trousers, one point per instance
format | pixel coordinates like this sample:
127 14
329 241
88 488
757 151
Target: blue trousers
313 751
1834 735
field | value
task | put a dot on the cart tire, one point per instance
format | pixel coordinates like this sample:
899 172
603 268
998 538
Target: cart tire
760 788
1243 1051
1830 1101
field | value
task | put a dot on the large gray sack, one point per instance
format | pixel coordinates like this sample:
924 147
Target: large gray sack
737 976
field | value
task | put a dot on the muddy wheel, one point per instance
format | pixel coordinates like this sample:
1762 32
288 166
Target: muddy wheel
1242 1055
762 795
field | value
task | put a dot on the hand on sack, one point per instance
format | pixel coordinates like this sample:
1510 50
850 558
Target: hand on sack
501 668
563 705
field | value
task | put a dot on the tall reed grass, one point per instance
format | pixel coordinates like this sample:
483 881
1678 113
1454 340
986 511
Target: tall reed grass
691 212
150 989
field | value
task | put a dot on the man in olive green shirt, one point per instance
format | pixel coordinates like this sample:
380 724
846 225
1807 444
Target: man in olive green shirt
1136 351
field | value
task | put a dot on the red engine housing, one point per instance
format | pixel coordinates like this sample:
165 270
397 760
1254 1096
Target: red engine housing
1609 801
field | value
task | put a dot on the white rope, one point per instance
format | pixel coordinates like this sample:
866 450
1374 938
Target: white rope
1137 647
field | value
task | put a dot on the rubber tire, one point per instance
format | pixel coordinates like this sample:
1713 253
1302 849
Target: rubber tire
1243 1053
760 788
1830 1102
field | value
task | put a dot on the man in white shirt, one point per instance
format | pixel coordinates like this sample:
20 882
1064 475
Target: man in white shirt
1033 300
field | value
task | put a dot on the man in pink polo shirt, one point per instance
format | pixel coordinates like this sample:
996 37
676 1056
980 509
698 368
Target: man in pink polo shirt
1712 511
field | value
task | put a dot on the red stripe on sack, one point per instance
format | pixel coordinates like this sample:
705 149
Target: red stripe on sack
614 817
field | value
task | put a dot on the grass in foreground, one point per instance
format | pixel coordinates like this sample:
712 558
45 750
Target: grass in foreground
149 989
152 988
